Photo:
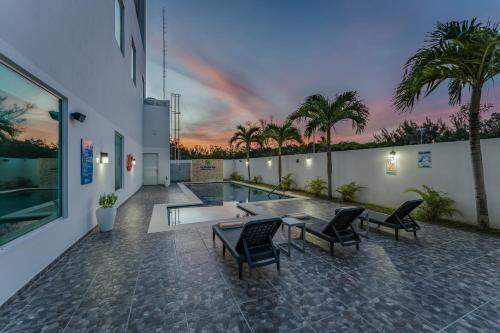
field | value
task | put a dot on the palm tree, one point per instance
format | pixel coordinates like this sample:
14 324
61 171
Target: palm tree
322 114
281 135
246 136
467 54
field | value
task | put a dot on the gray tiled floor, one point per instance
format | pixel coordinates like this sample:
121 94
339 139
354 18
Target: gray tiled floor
177 281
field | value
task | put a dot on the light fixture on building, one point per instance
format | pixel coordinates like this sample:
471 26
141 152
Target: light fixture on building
308 160
392 154
102 158
246 162
78 116
130 162
269 162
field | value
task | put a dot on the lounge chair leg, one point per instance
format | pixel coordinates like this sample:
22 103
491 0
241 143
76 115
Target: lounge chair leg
415 234
331 249
213 236
396 233
240 270
357 247
278 265
223 250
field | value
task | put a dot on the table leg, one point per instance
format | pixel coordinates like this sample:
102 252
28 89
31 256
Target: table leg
289 240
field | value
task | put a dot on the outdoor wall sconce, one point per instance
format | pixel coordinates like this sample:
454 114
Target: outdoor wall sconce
269 162
78 116
130 161
102 158
246 162
297 160
392 154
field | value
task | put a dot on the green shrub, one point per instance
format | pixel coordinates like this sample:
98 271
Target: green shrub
257 179
348 191
236 176
316 186
436 205
107 200
287 182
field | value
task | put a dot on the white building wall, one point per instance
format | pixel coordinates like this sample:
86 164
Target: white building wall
70 46
451 172
156 138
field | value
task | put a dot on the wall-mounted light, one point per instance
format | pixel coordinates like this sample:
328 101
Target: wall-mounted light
308 160
269 162
297 160
392 154
130 162
246 162
102 158
78 116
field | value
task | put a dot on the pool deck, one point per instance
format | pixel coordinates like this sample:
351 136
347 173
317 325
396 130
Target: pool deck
178 281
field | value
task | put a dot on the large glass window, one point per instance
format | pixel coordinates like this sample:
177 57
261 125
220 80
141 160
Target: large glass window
133 62
119 26
118 161
30 168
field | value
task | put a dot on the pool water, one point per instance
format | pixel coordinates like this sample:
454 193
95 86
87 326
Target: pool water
216 194
219 202
14 201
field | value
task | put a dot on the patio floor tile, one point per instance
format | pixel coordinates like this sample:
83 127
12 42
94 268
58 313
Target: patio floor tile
178 281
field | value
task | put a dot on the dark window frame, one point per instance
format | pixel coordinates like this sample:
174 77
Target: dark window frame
62 189
133 64
119 164
121 43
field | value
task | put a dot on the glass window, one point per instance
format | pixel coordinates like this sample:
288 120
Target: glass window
119 30
133 62
30 168
143 89
118 161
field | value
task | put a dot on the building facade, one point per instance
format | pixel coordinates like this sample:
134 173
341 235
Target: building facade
72 85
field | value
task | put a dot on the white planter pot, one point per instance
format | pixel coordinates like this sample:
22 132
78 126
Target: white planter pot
105 218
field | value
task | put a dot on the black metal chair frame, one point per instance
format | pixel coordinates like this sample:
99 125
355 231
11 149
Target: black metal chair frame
407 222
339 236
261 254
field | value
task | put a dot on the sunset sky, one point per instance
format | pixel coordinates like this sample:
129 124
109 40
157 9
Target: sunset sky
237 61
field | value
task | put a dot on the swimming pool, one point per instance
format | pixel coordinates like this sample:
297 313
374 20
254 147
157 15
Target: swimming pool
216 194
14 201
220 202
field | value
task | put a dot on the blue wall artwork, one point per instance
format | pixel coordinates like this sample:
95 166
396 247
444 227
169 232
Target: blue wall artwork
424 159
87 153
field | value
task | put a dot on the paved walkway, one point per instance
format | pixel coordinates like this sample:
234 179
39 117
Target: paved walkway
177 281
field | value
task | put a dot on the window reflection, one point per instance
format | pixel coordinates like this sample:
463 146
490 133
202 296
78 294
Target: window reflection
29 155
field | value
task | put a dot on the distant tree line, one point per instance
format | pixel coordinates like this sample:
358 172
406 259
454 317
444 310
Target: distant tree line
407 133
11 125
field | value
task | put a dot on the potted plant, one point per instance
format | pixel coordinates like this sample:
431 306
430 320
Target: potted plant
106 212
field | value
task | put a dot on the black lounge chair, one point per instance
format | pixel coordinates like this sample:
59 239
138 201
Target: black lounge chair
339 229
399 219
252 243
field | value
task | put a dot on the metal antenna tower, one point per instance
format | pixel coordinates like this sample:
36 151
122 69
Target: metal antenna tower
164 52
175 126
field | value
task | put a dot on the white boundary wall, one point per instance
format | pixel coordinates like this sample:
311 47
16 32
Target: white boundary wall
451 171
